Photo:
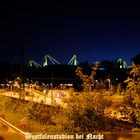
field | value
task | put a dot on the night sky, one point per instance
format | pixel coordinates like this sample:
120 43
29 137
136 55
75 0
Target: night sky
93 31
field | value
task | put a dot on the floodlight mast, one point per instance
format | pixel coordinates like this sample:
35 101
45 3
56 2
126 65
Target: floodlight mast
45 61
48 57
122 63
33 63
73 61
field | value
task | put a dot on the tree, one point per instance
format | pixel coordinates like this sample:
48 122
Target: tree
136 59
109 67
86 67
85 113
133 81
87 80
132 98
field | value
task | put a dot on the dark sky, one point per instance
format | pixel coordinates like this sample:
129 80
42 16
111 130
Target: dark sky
93 31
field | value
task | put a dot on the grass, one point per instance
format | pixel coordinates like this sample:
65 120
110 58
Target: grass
15 111
12 117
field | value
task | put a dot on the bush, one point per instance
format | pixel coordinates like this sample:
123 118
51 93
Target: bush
132 97
84 113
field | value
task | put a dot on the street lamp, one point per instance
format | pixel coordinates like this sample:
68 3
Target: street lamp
52 90
51 94
109 82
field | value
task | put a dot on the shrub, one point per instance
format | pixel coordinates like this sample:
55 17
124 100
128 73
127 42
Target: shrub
87 80
85 113
132 97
